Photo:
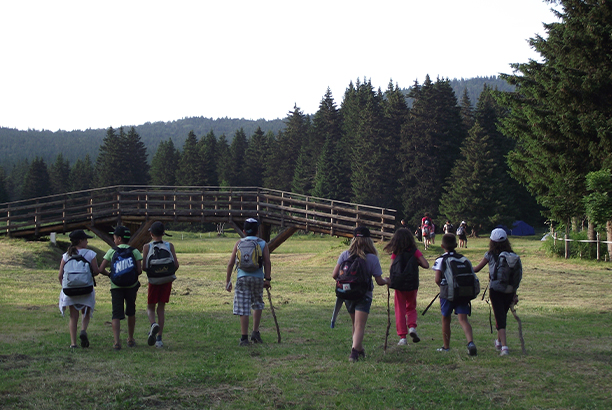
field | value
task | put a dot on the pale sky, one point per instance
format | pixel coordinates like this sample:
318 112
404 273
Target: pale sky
95 64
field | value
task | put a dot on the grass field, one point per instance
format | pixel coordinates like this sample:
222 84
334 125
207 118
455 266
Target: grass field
565 307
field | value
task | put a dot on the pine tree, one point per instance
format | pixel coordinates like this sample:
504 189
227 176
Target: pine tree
135 165
189 170
208 156
59 174
164 164
467 112
37 182
224 160
110 161
255 159
4 194
82 174
395 116
237 151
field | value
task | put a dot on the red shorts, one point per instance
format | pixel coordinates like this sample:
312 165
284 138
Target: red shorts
159 293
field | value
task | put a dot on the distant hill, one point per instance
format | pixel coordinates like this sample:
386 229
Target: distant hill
16 145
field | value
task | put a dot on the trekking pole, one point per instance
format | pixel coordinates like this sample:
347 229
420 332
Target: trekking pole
485 292
274 315
520 324
430 303
388 318
337 308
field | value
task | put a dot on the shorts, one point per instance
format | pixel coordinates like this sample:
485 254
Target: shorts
159 293
248 294
501 304
121 295
447 307
362 305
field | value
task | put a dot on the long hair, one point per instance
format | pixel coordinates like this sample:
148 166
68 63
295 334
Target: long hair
495 248
72 249
361 246
402 241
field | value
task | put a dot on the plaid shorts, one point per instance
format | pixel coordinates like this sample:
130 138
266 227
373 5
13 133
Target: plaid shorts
248 294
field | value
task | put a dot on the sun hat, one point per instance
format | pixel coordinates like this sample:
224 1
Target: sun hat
498 235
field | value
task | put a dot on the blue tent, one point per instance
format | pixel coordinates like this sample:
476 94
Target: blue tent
520 228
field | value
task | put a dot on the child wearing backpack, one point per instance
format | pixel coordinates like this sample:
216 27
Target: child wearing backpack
460 305
359 260
462 234
251 257
505 273
81 300
404 279
160 263
125 266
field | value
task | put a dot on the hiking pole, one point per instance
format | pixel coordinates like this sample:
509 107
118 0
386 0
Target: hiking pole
274 315
520 324
388 318
337 308
430 303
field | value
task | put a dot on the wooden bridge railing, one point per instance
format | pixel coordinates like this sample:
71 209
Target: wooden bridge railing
137 204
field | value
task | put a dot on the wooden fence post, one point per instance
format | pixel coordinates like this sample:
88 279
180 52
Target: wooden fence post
566 247
598 247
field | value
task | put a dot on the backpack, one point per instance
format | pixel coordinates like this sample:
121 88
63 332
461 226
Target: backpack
507 273
449 229
354 280
123 267
249 256
160 263
77 279
404 272
460 230
426 230
459 284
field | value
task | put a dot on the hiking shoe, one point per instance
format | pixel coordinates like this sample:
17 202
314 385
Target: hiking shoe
442 349
402 342
413 334
152 334
244 342
498 345
159 344
355 355
256 337
504 352
472 349
84 339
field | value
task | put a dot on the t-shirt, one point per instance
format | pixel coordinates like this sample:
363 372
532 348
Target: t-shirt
372 263
109 257
88 254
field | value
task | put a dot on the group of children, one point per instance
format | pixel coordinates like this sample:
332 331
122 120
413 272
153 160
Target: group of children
126 265
251 259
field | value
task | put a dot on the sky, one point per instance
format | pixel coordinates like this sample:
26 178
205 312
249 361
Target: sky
74 65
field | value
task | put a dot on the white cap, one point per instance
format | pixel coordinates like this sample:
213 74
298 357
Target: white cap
498 235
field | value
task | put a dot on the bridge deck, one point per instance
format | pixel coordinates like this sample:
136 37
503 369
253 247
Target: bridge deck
137 207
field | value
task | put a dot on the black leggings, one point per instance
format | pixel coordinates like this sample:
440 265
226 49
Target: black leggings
501 304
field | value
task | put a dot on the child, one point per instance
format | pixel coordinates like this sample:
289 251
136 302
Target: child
426 228
250 282
159 286
448 227
462 234
462 310
361 247
406 300
501 297
80 303
124 270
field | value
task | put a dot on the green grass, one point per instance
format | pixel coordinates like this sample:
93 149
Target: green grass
565 306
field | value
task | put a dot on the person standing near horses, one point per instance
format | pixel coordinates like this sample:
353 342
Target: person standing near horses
361 247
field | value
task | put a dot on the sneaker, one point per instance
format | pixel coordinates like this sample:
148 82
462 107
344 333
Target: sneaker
498 345
244 342
504 352
256 337
413 334
472 349
442 349
159 344
354 356
402 342
84 339
152 333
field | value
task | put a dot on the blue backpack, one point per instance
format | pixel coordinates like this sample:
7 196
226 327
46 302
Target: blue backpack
123 267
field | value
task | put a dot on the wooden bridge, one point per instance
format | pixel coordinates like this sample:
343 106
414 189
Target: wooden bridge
137 207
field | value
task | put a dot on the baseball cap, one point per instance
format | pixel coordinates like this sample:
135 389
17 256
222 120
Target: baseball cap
79 234
250 226
122 232
498 235
158 229
361 232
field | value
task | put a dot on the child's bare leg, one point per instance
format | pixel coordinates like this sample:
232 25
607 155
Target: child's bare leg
72 325
446 331
501 336
131 320
467 328
85 319
116 331
244 324
256 320
161 317
151 312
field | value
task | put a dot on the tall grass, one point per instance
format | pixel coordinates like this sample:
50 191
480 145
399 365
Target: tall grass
565 306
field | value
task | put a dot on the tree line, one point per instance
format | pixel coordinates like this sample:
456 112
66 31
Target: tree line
439 155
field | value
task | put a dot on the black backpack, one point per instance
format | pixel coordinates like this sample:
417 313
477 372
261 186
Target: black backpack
404 271
160 263
123 267
354 280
